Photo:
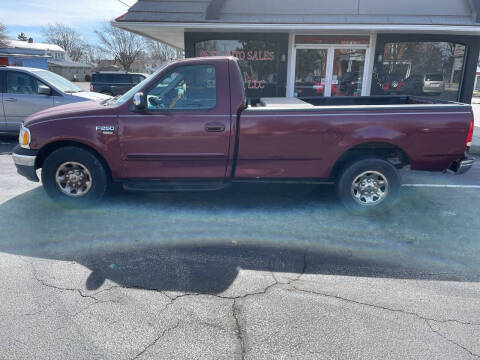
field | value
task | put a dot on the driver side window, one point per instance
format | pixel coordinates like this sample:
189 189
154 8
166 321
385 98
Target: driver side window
191 87
21 83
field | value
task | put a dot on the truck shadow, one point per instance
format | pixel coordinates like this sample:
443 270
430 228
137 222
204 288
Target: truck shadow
197 242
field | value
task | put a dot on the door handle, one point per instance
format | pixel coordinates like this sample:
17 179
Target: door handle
10 99
215 127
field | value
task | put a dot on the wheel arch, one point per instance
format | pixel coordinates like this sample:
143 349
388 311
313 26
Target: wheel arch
380 149
47 149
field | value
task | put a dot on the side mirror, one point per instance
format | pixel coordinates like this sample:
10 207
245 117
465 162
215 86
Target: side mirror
139 101
44 90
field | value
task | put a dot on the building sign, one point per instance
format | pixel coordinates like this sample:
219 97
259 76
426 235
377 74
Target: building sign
332 39
258 60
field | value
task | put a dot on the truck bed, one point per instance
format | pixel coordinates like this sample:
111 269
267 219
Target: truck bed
348 101
305 138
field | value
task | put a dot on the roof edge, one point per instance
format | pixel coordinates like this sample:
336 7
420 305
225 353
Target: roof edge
463 29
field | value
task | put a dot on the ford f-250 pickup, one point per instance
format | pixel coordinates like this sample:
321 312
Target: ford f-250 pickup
189 126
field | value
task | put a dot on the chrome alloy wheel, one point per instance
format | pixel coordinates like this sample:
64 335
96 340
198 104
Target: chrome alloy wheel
369 188
73 179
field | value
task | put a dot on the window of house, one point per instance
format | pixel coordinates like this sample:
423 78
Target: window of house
192 87
432 69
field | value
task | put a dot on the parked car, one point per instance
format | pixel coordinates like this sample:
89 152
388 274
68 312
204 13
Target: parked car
25 91
350 84
416 84
433 84
115 83
413 85
314 88
189 127
393 84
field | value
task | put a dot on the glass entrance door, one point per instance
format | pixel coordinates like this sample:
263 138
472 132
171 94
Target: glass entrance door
347 78
310 72
329 71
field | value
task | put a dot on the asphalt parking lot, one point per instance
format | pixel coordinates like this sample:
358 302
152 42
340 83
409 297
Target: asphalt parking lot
254 272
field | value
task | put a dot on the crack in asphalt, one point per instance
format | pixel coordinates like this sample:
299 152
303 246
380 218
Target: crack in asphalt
404 312
383 307
450 340
46 284
161 335
239 332
79 291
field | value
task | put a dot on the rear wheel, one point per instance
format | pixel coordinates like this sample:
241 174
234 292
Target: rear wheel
368 186
74 177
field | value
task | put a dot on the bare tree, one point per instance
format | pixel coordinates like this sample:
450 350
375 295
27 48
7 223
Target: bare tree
92 54
125 47
67 38
3 35
160 51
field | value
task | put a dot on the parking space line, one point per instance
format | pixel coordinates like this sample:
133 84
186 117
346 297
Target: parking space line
443 186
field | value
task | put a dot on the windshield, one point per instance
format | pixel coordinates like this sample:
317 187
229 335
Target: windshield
58 81
129 94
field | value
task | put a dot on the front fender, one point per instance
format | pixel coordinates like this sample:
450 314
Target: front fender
85 132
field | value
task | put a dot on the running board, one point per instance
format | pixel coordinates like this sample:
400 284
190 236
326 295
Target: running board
168 186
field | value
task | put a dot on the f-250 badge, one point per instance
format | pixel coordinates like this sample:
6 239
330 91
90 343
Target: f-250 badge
106 129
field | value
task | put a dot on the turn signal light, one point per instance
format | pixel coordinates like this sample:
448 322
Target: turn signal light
24 137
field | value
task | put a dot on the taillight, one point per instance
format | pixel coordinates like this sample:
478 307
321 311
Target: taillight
91 87
468 143
402 84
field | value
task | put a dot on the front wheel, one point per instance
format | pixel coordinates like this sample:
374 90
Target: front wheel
368 186
74 177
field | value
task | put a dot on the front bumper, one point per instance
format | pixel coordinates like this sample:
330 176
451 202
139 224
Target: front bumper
463 165
24 160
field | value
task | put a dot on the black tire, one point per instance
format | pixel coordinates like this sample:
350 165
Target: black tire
368 169
98 175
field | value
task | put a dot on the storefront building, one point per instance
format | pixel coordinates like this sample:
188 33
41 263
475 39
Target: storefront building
311 48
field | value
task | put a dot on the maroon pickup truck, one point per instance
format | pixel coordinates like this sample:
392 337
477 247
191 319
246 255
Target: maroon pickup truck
189 126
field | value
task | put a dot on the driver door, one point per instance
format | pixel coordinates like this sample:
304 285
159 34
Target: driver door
22 98
184 132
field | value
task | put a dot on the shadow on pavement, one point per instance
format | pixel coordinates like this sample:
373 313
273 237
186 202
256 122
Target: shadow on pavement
197 242
7 143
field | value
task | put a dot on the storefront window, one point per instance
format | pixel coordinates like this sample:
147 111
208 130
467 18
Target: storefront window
419 68
259 62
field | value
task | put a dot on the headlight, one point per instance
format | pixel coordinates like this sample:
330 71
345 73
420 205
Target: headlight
24 138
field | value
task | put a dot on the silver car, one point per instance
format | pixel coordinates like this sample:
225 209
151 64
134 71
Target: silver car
25 91
433 84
